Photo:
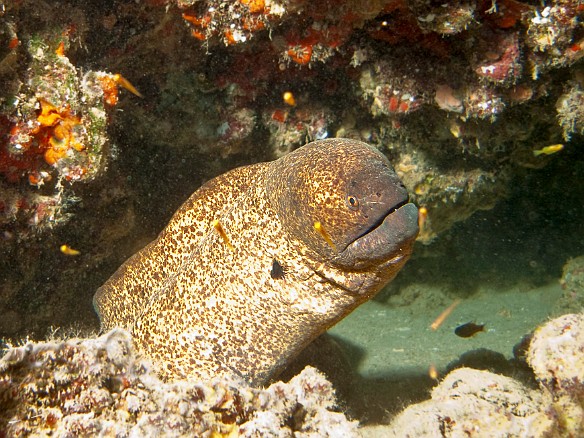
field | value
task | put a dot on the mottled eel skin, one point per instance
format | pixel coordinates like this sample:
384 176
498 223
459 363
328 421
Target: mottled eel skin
201 304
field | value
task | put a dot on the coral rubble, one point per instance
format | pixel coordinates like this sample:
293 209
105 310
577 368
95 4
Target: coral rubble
477 403
99 387
556 355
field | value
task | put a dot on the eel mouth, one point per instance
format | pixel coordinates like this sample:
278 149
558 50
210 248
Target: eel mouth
392 234
381 220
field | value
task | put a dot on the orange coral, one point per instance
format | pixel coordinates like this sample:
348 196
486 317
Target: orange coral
56 127
255 6
252 24
47 140
60 50
230 38
202 22
198 35
300 54
110 89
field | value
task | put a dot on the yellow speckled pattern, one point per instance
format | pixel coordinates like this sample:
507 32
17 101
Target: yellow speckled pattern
200 308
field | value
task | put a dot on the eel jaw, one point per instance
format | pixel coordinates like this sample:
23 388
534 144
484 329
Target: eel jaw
391 238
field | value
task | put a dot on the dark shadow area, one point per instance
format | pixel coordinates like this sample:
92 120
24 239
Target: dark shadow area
368 400
487 360
376 400
526 238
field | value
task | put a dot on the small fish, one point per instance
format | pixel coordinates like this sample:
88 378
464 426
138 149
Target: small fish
433 372
548 150
320 229
422 216
289 99
469 329
123 82
217 225
67 250
445 313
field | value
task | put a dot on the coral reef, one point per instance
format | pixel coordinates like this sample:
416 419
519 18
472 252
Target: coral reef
470 402
426 82
54 149
99 386
416 77
54 119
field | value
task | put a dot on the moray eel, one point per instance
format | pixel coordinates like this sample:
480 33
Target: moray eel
261 260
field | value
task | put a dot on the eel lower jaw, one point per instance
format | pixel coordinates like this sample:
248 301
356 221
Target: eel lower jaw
391 239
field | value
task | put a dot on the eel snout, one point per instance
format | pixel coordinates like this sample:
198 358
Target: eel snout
392 236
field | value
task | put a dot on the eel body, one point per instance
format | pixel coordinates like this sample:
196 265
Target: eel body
261 260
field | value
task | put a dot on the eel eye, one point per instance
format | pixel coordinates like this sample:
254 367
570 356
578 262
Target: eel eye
352 202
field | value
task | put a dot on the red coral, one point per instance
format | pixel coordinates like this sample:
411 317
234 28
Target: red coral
501 58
